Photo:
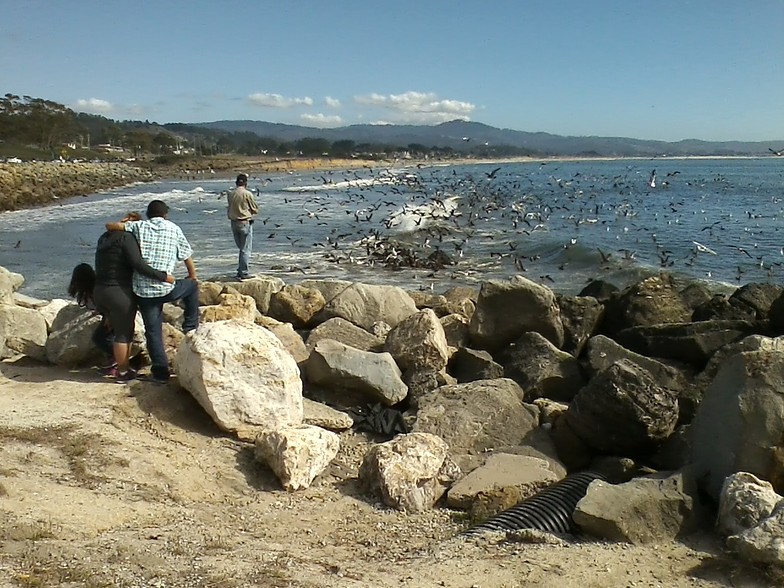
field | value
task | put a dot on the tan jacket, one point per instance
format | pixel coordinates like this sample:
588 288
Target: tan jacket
242 205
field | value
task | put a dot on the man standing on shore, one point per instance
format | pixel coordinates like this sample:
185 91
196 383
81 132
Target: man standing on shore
162 245
242 208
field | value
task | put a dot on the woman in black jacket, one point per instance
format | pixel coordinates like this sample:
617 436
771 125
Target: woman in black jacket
116 258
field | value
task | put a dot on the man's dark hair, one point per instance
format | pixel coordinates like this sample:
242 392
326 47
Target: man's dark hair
242 180
157 208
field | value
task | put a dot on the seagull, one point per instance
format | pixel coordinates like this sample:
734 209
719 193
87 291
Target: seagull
652 180
702 249
780 152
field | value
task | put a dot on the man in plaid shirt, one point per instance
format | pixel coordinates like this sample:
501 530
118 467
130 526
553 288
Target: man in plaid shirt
162 244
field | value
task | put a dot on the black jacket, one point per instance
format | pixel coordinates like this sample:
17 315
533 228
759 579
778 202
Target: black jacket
116 258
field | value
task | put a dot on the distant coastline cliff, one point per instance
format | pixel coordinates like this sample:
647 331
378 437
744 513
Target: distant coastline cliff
24 185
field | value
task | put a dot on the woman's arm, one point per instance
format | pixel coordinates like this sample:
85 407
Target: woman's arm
134 256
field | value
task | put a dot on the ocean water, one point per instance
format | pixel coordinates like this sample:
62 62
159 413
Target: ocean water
555 222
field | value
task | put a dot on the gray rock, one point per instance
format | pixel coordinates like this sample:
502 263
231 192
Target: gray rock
542 369
477 416
334 365
653 301
739 425
296 304
644 510
409 473
691 343
622 411
469 365
502 472
581 317
345 332
261 289
22 330
744 503
455 329
326 417
506 310
762 543
364 305
418 342
70 341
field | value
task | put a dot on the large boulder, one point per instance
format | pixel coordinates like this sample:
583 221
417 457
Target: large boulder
581 317
365 304
762 543
739 425
477 416
22 330
622 411
506 310
603 352
230 306
241 375
10 282
469 365
691 343
644 510
410 472
518 476
653 301
290 338
261 289
418 342
296 304
744 503
333 365
345 332
543 370
70 340
297 454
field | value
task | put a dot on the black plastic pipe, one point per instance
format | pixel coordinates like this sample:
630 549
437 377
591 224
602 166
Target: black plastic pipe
549 510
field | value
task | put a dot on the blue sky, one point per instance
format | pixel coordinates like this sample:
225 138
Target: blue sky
669 69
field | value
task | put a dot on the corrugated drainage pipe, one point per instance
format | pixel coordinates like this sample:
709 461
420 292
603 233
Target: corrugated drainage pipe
549 510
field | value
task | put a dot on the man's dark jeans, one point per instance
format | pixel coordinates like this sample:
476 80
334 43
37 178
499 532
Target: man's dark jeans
152 313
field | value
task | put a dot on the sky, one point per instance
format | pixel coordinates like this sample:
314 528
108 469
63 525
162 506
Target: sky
662 69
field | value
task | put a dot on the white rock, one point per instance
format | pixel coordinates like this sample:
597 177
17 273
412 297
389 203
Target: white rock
744 503
22 330
297 454
241 375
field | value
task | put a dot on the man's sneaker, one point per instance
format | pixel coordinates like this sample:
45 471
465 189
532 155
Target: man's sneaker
124 378
153 379
242 277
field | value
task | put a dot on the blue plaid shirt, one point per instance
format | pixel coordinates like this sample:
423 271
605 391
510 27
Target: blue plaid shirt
163 245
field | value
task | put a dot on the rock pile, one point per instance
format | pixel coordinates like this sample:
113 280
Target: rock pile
29 184
671 393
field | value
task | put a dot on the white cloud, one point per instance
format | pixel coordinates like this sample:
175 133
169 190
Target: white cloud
418 107
322 120
268 100
332 102
94 106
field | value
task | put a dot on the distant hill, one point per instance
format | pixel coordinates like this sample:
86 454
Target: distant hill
466 136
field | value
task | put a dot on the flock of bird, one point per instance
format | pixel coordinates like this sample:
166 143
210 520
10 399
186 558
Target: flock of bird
543 220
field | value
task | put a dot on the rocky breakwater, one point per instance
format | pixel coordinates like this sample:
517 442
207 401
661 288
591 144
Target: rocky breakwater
31 184
479 399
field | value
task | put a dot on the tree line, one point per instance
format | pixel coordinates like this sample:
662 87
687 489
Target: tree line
45 129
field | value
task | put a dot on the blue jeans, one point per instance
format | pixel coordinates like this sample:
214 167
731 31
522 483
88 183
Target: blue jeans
152 314
243 237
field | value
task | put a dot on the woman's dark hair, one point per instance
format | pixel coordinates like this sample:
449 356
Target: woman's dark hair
82 283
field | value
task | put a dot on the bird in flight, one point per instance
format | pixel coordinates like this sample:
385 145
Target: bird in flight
780 152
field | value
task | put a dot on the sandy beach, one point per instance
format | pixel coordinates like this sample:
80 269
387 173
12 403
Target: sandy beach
133 486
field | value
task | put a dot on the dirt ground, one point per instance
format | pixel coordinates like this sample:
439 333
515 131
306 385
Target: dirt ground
133 486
